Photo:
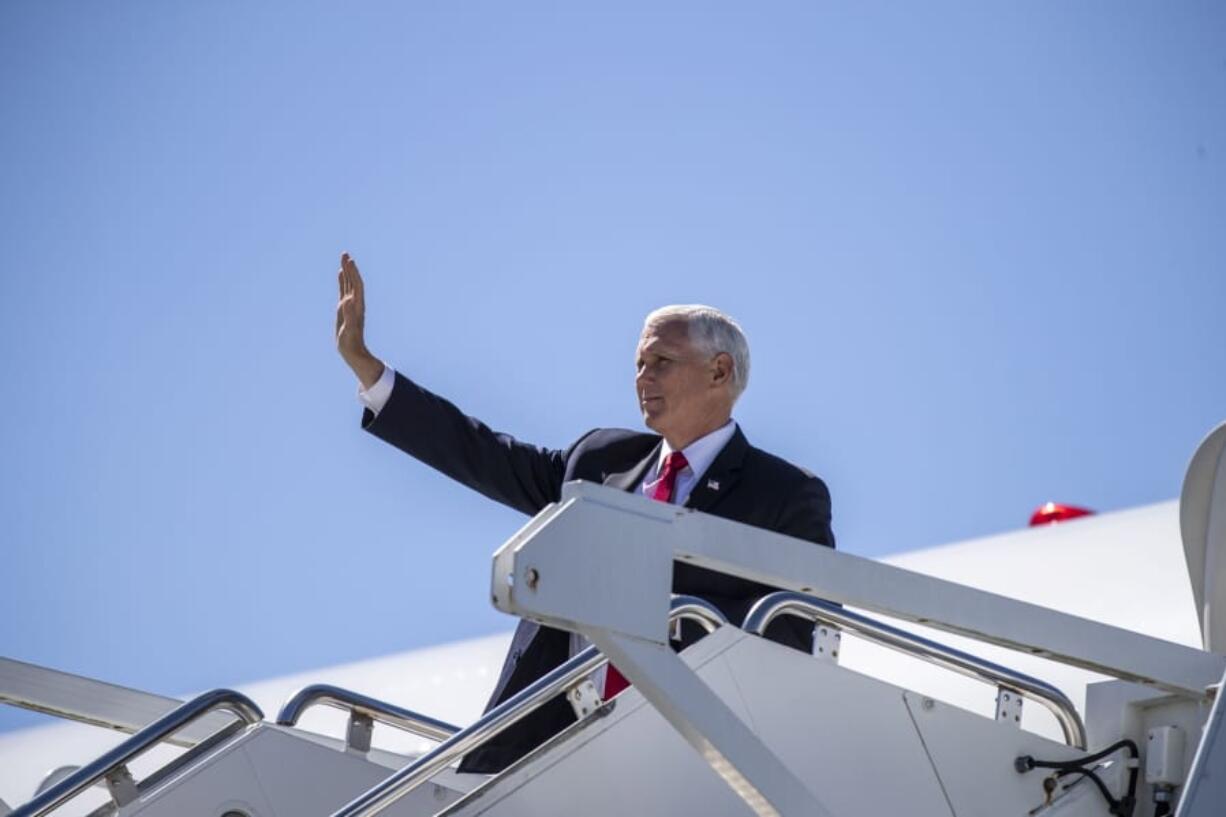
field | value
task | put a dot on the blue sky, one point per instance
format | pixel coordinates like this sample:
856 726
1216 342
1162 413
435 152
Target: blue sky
979 250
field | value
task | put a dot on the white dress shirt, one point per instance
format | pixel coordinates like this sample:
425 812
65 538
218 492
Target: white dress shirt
376 397
699 454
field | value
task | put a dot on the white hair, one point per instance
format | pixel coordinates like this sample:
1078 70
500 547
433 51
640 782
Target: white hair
711 332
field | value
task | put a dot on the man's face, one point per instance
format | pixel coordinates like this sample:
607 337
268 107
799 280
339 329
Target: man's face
674 382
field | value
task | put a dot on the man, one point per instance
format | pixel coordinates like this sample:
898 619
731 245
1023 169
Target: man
692 365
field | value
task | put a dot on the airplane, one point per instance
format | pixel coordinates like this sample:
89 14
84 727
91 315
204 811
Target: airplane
1115 623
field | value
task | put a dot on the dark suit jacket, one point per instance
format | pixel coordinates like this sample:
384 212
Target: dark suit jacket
755 487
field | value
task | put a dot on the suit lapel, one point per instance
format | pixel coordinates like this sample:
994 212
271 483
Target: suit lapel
721 476
627 480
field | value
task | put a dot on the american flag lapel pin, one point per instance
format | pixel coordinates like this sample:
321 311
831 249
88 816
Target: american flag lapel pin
713 484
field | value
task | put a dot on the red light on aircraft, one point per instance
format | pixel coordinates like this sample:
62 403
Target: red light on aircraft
1053 512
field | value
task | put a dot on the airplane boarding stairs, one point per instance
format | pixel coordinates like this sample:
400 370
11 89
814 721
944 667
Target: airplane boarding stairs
867 747
735 724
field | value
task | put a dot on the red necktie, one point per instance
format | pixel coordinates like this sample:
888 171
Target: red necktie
665 490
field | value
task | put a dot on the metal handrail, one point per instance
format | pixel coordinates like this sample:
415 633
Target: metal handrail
114 762
700 611
783 602
508 713
97 703
358 704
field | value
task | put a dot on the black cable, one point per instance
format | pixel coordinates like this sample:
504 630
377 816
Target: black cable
1025 763
1095 779
1123 806
1130 800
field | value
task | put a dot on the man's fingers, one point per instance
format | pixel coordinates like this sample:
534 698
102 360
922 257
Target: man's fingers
346 277
347 315
352 303
355 279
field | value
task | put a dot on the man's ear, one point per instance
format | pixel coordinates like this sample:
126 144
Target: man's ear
721 369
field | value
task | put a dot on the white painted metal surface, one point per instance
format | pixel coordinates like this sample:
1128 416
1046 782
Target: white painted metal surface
615 590
537 575
272 771
973 758
451 682
609 518
1202 519
97 703
854 740
1206 792
750 767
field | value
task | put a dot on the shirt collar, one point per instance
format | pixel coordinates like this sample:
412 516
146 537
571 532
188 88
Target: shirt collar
703 451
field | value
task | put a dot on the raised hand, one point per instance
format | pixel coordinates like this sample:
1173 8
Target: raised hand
351 324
